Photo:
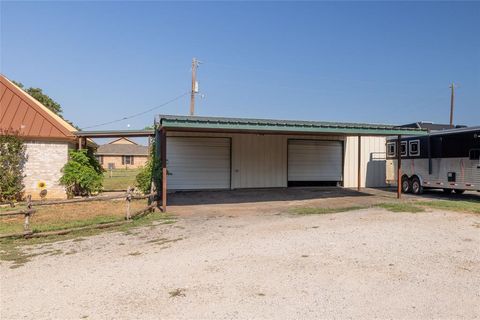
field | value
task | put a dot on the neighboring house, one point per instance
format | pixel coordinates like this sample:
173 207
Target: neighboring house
47 136
233 153
430 126
122 153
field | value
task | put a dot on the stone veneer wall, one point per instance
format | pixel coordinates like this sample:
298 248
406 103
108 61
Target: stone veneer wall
44 163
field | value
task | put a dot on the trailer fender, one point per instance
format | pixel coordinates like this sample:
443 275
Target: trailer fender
419 178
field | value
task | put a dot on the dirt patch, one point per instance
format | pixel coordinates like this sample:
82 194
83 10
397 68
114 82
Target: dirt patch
370 263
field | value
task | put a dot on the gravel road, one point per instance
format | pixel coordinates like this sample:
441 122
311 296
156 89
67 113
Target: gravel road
361 264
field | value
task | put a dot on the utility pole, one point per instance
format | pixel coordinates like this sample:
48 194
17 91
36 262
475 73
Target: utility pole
452 103
194 91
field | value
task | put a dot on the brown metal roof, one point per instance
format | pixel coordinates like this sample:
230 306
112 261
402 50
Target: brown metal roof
22 113
122 150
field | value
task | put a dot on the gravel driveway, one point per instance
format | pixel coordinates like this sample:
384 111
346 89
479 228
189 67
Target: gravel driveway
360 264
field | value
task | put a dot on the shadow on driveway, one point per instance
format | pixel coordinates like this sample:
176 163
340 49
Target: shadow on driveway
186 198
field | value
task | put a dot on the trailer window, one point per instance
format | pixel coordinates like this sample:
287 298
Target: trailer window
414 148
475 154
403 149
391 149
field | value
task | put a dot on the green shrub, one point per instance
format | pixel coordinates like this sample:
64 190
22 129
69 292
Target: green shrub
152 171
12 160
144 178
82 174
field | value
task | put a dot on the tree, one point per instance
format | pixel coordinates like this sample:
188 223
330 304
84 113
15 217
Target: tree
12 160
41 97
82 174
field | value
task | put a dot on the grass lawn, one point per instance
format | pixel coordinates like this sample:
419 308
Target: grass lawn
121 179
468 206
13 250
401 207
64 216
452 205
321 210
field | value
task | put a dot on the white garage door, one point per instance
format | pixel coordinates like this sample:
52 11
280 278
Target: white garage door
198 163
314 160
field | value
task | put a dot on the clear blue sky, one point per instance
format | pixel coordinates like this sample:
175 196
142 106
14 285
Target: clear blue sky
378 62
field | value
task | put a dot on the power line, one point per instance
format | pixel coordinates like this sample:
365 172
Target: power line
139 113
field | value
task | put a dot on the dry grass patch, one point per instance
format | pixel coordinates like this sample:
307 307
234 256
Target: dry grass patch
179 292
16 250
71 215
471 206
401 207
321 210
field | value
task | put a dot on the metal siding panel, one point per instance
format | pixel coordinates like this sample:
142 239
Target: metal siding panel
3 88
10 113
248 168
4 106
373 162
313 160
28 121
198 163
259 161
36 124
351 163
17 120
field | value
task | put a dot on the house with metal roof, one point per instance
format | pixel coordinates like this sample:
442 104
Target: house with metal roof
47 138
212 153
122 153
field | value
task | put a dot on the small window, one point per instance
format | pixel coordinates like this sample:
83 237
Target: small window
475 154
127 160
99 159
414 148
391 149
403 148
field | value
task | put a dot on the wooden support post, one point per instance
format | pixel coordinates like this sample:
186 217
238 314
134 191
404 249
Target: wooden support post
26 225
359 169
163 138
399 167
129 199
80 143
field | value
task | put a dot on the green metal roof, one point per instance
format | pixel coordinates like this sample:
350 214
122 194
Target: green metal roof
278 126
114 133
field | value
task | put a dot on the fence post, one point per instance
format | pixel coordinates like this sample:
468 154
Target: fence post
129 199
26 225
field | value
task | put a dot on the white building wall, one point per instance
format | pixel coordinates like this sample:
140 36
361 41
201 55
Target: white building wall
373 162
44 163
260 160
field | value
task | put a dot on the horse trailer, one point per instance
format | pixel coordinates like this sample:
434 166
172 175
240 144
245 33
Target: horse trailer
447 159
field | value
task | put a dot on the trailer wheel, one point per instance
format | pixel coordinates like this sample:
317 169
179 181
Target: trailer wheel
447 191
406 185
416 186
459 191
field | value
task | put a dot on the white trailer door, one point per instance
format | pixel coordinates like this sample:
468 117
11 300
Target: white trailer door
314 160
198 163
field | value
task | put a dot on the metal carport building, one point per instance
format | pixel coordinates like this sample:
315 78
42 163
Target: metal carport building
211 153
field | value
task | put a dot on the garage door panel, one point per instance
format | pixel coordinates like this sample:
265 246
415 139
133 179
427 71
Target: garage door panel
198 163
314 160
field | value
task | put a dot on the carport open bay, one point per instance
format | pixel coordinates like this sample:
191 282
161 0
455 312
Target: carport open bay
358 264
